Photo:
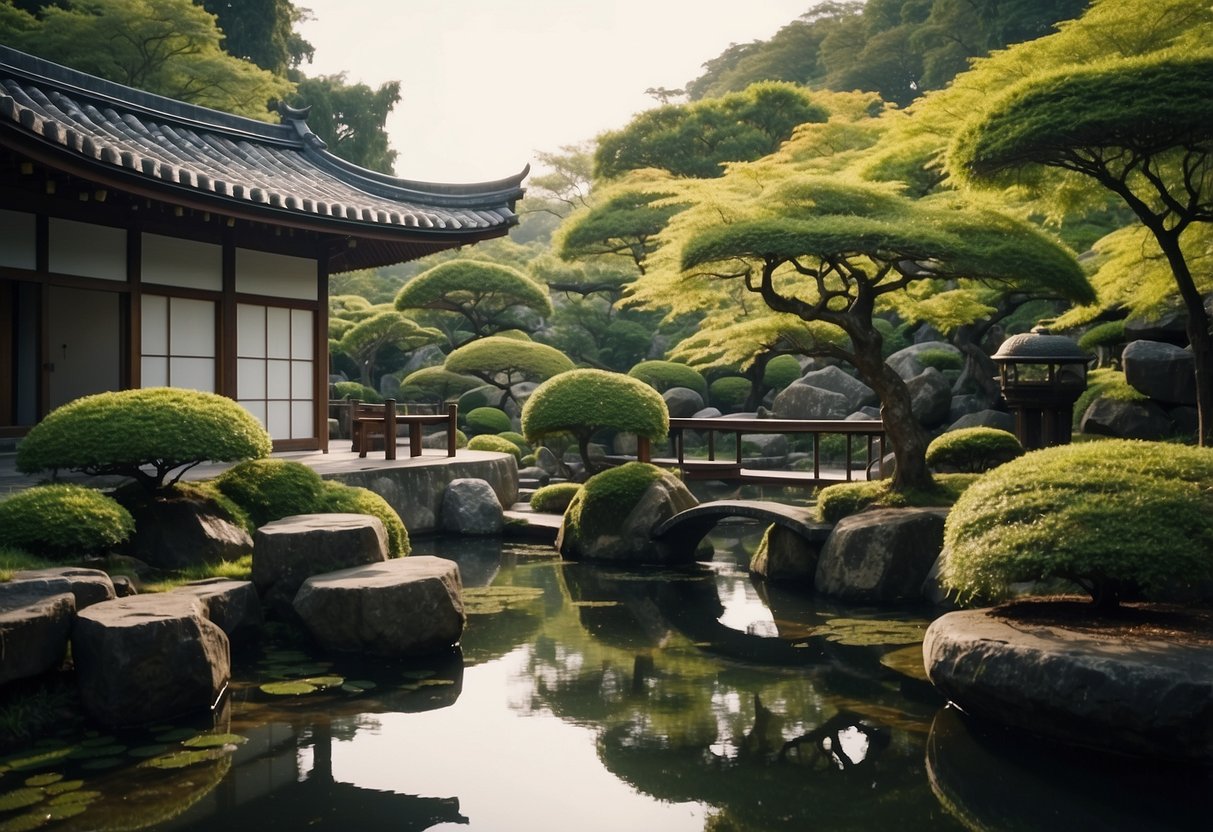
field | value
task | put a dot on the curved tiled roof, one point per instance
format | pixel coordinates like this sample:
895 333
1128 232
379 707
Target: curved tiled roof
275 173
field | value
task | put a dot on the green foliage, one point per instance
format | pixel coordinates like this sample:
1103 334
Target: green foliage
507 361
518 439
486 420
357 390
941 359
729 394
350 118
554 498
381 332
169 47
497 444
270 489
262 32
126 432
13 559
1107 334
623 220
233 570
585 401
662 375
339 498
973 450
781 371
1105 383
835 502
606 497
894 337
1107 515
440 383
488 297
63 521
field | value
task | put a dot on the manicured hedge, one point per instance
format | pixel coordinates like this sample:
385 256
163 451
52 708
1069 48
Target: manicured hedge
973 450
781 371
270 489
63 521
486 420
490 442
554 498
728 394
356 390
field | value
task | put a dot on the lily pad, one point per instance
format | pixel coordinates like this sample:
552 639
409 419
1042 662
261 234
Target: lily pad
907 661
24 823
183 759
40 759
325 681
20 798
81 796
67 810
44 779
63 787
864 632
215 741
295 688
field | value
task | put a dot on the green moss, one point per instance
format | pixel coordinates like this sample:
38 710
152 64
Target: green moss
1105 383
63 521
973 450
14 559
234 570
662 375
349 499
729 393
486 420
356 390
607 497
145 434
489 442
835 502
554 498
270 489
1106 515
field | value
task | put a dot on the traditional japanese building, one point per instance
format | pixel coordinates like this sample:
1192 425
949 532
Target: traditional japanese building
148 242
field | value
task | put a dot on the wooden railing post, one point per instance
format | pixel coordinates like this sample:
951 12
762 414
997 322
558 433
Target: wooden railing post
452 428
644 451
389 428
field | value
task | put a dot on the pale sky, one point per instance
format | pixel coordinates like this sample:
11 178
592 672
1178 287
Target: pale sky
486 83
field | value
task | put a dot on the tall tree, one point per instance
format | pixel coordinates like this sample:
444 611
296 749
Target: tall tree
350 118
366 339
1142 128
262 31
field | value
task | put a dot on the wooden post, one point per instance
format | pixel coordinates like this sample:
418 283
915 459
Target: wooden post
389 429
414 439
452 427
643 451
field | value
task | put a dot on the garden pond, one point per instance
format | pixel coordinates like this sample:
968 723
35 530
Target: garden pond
592 698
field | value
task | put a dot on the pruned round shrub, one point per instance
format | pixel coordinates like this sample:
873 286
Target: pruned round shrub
518 439
662 375
1106 515
337 497
729 393
270 489
554 498
598 505
973 450
490 442
582 402
941 359
781 371
486 395
1107 334
144 434
439 383
486 420
356 390
63 520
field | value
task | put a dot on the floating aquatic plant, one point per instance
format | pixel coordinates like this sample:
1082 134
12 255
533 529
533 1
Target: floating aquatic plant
182 759
863 632
215 741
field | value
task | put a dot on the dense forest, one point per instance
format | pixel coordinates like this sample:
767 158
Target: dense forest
874 173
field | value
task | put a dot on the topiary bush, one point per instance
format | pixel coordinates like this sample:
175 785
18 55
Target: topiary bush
62 521
729 394
1108 515
941 360
582 402
662 375
518 439
486 420
554 498
973 450
270 489
143 434
1107 334
337 497
781 371
598 506
357 390
489 442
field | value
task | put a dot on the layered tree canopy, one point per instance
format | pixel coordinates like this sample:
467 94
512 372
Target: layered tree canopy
488 297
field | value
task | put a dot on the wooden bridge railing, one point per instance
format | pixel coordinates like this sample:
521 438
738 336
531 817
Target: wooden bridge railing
871 432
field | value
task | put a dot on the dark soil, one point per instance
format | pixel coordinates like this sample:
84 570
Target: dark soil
1131 621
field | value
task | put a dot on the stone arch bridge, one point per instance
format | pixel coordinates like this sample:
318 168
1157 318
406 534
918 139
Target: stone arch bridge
683 532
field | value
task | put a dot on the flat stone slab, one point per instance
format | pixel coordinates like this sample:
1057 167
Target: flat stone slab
404 607
148 658
1152 698
35 620
233 606
89 586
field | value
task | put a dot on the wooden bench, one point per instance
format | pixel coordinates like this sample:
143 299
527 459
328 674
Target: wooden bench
368 421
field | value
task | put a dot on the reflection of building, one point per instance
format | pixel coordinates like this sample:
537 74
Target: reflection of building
145 242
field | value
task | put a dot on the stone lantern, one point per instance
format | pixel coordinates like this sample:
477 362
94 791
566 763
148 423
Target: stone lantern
1041 377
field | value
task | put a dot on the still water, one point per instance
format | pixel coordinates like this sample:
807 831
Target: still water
588 698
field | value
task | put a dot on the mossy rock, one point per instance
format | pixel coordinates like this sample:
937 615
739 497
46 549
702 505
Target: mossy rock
835 502
339 498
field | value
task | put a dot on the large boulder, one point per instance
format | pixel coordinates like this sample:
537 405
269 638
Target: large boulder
965 404
35 620
837 380
905 361
598 528
179 530
404 607
682 402
470 506
880 555
1170 326
149 658
930 396
233 606
1126 420
771 445
804 401
1133 696
88 586
784 555
1164 372
287 552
